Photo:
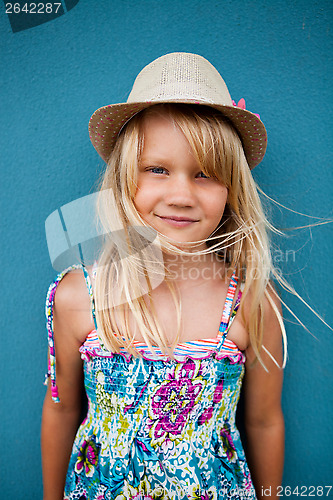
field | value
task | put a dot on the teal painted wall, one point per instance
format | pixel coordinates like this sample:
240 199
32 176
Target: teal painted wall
278 56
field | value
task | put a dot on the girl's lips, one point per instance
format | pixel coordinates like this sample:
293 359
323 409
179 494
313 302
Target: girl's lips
176 221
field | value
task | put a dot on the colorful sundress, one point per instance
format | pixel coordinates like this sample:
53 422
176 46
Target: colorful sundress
158 428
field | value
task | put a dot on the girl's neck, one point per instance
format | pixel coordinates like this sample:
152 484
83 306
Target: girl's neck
194 269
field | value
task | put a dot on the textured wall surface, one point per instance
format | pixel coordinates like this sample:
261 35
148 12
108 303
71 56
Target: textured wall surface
278 56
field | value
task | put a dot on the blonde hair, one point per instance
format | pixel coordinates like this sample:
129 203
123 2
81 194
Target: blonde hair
131 263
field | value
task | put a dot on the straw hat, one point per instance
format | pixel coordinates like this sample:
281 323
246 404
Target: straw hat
178 77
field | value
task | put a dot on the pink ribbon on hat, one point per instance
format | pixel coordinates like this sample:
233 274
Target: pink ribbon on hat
241 104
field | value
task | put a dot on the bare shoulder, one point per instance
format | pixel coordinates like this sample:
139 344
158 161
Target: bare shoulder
263 382
239 331
272 317
271 301
272 339
72 306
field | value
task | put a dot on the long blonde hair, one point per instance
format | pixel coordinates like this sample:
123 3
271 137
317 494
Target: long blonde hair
131 257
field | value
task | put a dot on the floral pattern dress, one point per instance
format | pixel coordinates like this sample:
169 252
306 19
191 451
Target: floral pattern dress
159 428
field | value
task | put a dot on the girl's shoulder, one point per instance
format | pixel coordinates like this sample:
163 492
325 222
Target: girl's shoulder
72 305
272 323
269 300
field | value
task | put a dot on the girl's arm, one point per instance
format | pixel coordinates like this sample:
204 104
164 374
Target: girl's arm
264 421
60 421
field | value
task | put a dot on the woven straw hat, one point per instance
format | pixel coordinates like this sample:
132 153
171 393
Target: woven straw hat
178 78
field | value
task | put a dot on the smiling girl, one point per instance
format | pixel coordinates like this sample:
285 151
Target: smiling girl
164 360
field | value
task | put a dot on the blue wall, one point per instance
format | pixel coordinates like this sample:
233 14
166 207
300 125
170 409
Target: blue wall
278 55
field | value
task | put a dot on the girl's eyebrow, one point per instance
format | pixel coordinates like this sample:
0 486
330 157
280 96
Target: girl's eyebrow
153 159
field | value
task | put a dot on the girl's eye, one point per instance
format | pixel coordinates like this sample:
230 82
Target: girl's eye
201 175
157 170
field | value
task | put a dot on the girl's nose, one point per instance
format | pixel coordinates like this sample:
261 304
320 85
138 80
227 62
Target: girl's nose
180 192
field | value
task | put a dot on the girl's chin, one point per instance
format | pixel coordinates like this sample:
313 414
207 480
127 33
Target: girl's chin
186 246
184 242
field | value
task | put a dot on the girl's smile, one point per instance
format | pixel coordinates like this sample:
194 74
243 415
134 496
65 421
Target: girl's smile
178 221
173 195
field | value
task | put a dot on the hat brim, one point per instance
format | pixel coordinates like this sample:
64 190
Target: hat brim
107 121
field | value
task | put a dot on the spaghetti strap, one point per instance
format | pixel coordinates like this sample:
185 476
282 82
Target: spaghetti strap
229 313
51 372
91 295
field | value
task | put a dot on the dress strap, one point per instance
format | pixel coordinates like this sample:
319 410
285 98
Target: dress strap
229 313
51 372
91 295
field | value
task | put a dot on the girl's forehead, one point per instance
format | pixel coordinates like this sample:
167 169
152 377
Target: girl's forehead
160 130
158 116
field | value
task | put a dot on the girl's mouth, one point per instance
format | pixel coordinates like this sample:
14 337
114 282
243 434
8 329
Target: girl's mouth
176 221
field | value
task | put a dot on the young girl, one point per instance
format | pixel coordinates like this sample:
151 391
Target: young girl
178 308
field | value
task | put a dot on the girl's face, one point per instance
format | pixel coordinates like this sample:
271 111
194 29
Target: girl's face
173 195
